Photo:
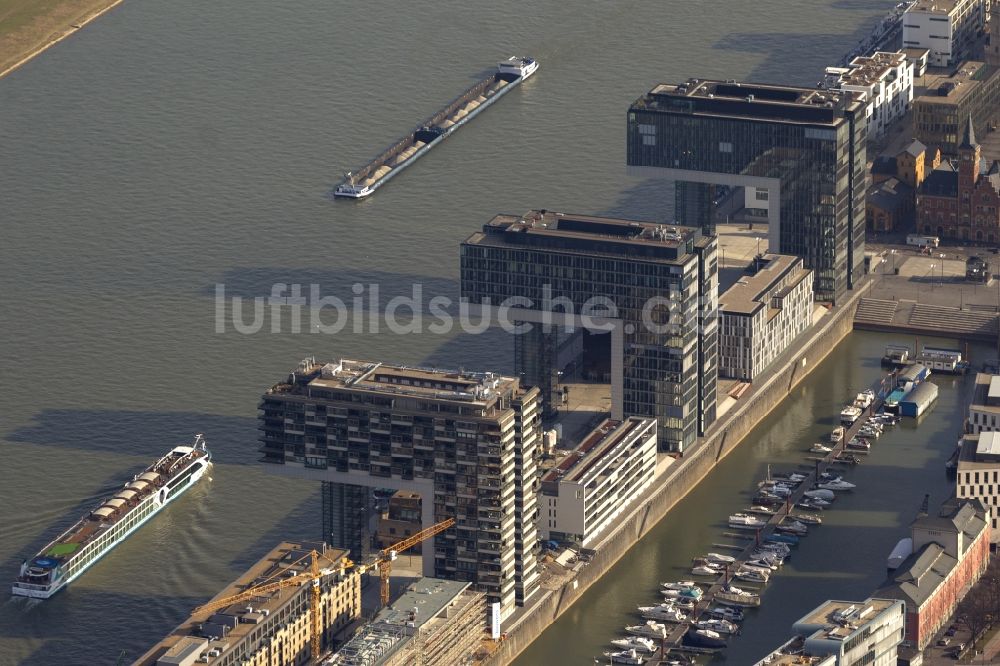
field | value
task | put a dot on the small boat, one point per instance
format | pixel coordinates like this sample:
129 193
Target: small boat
707 569
819 448
716 558
807 518
679 585
630 657
794 527
730 613
732 595
790 539
778 548
752 576
637 643
837 435
664 613
764 558
765 498
849 414
719 626
838 484
812 504
869 433
793 478
848 458
743 521
858 444
705 638
766 510
864 399
821 493
693 593
777 489
763 563
652 629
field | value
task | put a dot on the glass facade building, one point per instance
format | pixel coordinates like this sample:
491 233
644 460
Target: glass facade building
661 283
804 148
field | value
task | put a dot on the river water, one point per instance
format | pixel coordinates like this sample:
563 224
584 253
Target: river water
174 146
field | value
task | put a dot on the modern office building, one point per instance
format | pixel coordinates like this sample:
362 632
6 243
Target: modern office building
466 442
984 409
855 632
947 28
885 82
978 475
273 629
762 314
951 551
589 486
650 288
802 148
941 113
434 623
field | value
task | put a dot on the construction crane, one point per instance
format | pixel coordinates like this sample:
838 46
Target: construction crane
315 575
387 555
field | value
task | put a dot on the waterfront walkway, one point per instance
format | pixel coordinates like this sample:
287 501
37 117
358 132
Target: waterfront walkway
906 316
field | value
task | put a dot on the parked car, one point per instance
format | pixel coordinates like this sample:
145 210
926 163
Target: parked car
944 642
951 631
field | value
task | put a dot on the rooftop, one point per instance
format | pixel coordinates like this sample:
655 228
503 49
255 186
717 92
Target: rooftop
793 653
837 620
549 230
979 451
935 6
751 293
954 89
288 558
418 610
476 388
890 195
578 461
986 394
759 101
868 70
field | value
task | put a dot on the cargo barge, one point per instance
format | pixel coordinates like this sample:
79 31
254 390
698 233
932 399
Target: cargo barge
429 133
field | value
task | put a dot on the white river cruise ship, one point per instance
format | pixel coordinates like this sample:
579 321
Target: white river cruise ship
69 555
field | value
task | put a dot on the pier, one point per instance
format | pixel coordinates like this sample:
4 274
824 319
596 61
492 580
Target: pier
674 640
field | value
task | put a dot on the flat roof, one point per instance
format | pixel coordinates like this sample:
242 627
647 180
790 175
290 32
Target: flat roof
287 558
935 6
584 455
478 388
869 70
546 230
983 397
750 292
793 653
960 84
988 444
762 102
393 626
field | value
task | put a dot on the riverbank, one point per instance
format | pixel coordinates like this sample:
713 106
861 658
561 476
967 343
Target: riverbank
723 438
29 27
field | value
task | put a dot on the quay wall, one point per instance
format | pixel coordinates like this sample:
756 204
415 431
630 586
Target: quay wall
683 476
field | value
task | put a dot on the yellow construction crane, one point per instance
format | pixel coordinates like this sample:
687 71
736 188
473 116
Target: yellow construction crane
387 555
316 574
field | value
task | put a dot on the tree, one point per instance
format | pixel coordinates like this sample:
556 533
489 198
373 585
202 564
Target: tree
977 610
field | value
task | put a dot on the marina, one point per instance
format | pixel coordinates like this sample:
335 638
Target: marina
693 628
363 183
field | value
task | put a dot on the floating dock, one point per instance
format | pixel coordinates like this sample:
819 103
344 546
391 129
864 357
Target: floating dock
430 132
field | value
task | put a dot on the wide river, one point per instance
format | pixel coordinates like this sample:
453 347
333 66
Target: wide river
174 146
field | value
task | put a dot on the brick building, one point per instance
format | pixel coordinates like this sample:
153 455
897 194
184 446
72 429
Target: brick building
950 553
961 199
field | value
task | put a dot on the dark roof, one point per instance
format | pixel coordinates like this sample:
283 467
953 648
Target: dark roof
890 195
915 148
942 181
969 136
884 165
919 576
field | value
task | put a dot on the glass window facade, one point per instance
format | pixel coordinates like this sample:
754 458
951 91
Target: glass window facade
667 307
818 159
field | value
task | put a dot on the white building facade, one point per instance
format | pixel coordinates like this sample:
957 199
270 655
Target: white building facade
855 632
978 475
948 28
885 82
984 410
593 484
762 314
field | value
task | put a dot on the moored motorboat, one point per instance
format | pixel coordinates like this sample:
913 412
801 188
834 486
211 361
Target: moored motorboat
819 448
705 638
628 657
707 569
719 626
737 596
837 435
717 558
651 629
807 518
637 643
836 484
821 493
730 613
752 575
664 613
744 521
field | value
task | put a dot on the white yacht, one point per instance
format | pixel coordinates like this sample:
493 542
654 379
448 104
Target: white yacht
744 521
719 626
849 414
836 484
637 643
628 657
520 66
819 448
716 558
663 613
652 629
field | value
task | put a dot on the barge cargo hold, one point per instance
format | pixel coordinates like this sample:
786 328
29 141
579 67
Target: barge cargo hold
406 151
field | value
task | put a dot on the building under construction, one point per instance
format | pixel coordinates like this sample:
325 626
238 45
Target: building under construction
272 629
434 623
